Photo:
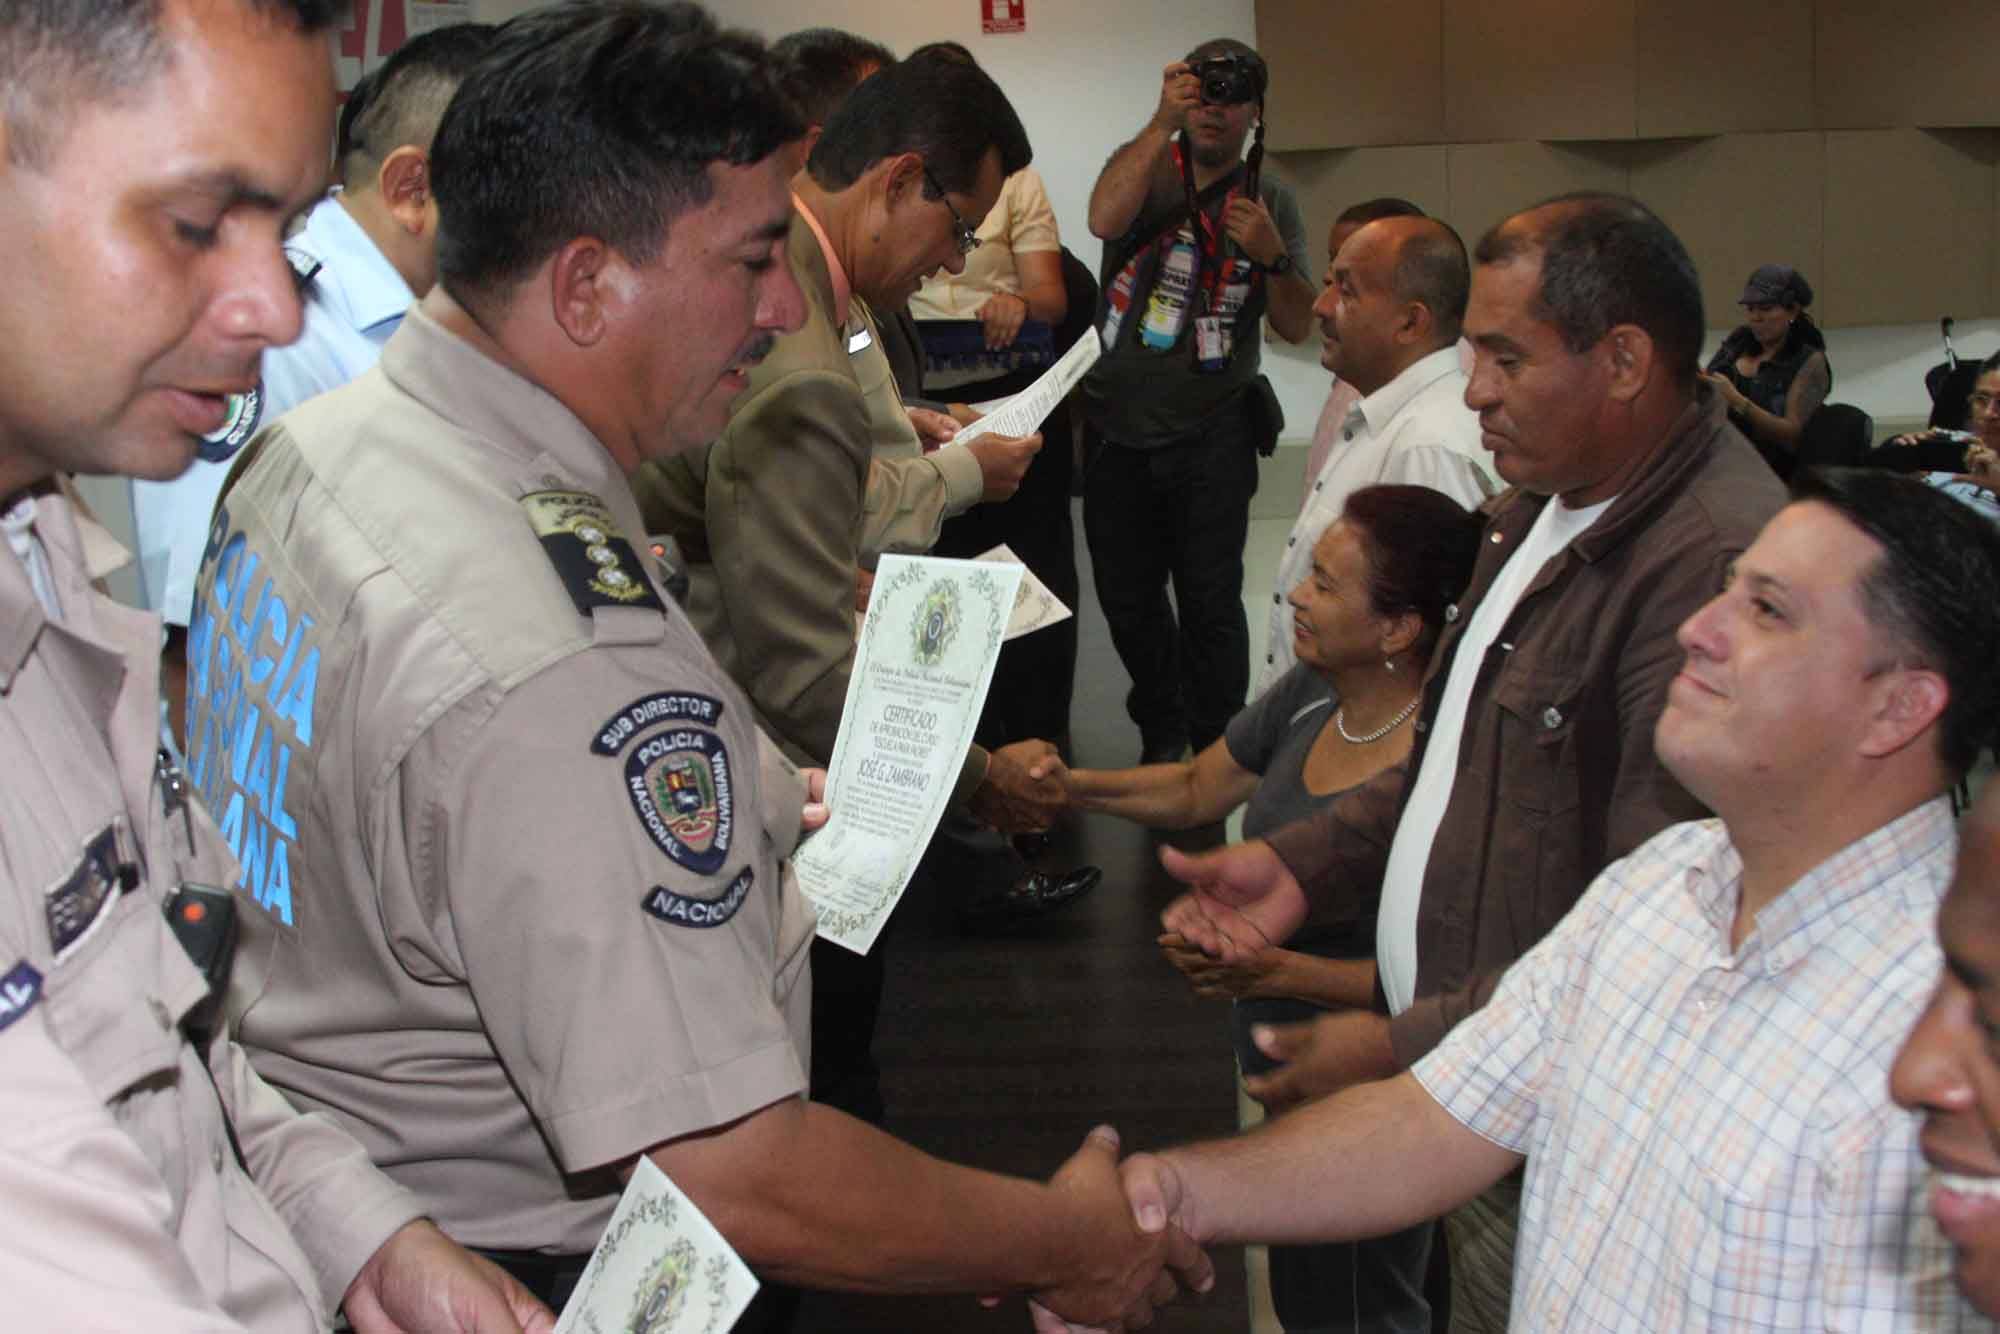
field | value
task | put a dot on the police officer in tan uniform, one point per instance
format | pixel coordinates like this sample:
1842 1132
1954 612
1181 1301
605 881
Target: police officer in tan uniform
149 1180
511 841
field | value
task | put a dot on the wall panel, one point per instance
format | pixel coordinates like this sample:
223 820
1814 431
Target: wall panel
1329 182
1356 73
1929 64
1738 201
1722 66
1490 181
1539 69
1909 226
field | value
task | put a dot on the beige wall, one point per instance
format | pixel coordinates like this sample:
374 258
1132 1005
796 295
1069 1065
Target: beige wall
1850 138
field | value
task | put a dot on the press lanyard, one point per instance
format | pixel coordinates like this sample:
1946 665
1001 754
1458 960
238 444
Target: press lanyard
1217 268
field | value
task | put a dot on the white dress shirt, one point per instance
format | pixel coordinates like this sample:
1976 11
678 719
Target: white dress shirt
1414 430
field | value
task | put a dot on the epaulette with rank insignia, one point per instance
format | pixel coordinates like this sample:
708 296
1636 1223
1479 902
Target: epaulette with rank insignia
595 562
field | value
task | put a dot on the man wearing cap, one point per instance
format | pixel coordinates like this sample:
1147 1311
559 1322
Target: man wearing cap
1201 246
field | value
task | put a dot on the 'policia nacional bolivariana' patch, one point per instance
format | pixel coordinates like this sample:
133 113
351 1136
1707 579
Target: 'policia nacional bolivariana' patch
682 910
677 775
597 565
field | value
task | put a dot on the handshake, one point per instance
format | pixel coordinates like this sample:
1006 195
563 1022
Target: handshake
1135 1249
1024 790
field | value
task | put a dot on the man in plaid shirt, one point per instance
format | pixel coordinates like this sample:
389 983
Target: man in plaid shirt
1695 1062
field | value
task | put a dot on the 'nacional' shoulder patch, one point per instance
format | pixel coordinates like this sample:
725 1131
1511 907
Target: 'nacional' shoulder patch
677 775
22 987
682 910
597 565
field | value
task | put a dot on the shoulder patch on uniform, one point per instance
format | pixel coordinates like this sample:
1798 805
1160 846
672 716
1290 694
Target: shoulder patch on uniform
681 788
76 906
667 706
595 562
22 987
243 413
681 910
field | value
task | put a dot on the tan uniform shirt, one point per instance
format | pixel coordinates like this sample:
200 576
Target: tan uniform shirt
512 838
124 1204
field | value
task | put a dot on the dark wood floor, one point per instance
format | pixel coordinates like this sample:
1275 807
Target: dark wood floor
1002 1053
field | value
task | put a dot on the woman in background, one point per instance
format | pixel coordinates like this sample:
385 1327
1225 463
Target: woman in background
1335 730
1772 368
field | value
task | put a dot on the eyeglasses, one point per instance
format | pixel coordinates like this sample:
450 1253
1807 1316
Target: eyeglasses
1982 402
968 240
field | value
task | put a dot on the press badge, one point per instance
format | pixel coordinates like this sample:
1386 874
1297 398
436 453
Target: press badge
1211 343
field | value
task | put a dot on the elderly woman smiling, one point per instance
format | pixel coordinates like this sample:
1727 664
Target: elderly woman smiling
1336 729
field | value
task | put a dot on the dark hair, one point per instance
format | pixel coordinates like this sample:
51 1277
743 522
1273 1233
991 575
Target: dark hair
1420 545
952 114
55 54
1431 267
1935 590
1374 210
955 51
819 67
595 118
1607 260
401 101
1988 366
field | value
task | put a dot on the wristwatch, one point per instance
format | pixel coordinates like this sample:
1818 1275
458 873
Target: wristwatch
1281 265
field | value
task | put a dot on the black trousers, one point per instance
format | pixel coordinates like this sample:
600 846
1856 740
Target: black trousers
1177 515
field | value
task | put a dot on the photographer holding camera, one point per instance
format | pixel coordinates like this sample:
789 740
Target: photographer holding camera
1199 247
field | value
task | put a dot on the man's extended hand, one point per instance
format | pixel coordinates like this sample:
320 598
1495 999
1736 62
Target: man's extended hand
1012 800
1244 899
1218 979
1249 224
1180 93
1321 1056
1003 461
933 428
421 1281
1137 1264
1051 767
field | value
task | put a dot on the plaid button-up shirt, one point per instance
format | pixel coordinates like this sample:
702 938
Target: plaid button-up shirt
1709 1135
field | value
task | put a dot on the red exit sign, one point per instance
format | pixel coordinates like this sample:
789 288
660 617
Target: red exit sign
1003 15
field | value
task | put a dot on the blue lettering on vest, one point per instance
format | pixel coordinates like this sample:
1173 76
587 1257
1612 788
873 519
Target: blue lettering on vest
253 682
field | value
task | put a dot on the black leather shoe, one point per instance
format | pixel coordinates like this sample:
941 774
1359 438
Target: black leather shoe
1029 899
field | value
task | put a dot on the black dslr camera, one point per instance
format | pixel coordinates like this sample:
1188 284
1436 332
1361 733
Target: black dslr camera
1228 81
